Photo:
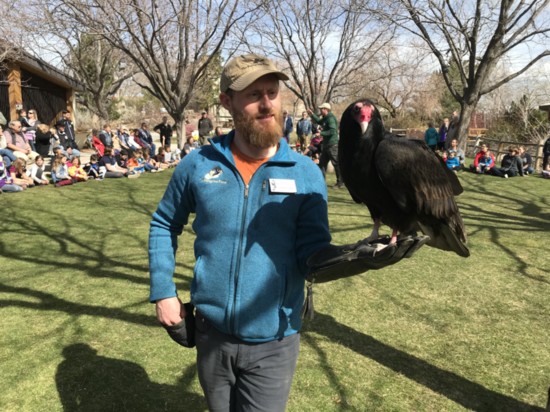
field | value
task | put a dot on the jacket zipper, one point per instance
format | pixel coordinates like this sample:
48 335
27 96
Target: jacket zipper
238 265
239 252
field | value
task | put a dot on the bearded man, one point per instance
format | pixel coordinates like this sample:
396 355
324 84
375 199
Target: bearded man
261 225
260 211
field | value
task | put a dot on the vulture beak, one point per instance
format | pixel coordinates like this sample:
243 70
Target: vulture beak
364 126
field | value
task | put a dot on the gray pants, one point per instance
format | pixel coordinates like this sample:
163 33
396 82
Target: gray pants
238 376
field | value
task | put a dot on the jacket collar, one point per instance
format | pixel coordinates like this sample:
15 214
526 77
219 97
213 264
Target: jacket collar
223 145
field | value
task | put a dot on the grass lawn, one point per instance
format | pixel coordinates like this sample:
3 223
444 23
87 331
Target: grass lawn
433 333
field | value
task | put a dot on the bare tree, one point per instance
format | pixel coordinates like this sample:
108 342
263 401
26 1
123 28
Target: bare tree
476 36
172 42
324 46
10 36
398 79
91 60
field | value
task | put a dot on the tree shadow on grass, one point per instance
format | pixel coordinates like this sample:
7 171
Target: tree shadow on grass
47 301
77 245
89 382
464 392
531 215
521 212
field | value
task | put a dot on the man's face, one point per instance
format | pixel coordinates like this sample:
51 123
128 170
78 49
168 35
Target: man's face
68 116
16 127
256 112
304 115
324 112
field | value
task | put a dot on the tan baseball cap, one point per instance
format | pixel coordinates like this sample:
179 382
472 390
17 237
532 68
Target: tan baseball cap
240 72
325 106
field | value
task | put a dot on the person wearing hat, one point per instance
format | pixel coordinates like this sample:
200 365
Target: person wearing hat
260 211
68 143
251 248
205 128
329 131
66 119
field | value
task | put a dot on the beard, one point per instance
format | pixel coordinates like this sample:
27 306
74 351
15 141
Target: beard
259 135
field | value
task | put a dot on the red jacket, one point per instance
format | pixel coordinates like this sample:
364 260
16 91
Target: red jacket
480 155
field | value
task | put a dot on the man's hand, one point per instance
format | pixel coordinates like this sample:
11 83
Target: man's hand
170 311
335 262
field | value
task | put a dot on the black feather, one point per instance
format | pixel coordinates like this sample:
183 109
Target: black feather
402 182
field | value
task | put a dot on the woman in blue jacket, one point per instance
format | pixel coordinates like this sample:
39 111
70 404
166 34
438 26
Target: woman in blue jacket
431 137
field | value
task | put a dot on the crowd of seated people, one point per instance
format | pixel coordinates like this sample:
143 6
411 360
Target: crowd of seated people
517 162
453 156
25 143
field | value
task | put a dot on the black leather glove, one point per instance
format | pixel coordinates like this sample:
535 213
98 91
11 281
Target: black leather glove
335 262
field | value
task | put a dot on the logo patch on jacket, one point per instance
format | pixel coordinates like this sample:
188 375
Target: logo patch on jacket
213 176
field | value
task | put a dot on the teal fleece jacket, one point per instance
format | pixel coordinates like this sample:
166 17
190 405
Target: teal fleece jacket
252 242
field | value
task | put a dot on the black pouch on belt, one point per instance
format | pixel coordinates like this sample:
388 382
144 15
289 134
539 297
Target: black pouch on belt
184 331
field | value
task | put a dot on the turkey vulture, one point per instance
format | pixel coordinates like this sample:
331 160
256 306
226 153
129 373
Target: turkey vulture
404 184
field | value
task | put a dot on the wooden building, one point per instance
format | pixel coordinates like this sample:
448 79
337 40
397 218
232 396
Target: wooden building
30 83
545 108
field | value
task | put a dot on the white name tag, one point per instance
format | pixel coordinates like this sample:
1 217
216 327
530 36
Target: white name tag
282 186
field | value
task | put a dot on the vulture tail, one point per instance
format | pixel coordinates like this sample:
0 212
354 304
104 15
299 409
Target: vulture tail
447 236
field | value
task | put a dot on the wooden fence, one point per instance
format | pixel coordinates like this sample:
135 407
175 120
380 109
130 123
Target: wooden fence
476 136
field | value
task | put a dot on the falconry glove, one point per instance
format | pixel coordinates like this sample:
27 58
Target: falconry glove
336 262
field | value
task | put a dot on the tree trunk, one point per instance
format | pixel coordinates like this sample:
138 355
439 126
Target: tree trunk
464 124
180 131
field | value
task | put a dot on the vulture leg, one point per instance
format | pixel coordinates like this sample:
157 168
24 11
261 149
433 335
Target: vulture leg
375 231
393 240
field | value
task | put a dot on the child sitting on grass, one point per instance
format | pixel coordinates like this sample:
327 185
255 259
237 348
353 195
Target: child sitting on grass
92 168
37 173
172 156
60 171
6 184
18 174
150 164
76 171
161 159
136 162
453 162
